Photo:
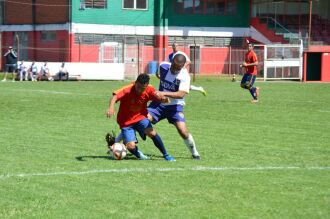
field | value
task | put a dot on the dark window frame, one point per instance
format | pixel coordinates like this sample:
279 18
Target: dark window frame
134 5
200 7
48 36
93 4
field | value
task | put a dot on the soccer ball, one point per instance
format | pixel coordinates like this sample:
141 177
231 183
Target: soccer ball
119 151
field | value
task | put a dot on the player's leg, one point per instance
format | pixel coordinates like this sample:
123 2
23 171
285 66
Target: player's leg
145 128
198 88
119 137
6 72
13 72
130 142
247 83
187 138
34 75
21 75
27 73
254 91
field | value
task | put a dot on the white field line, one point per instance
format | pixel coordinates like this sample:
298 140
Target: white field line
55 92
149 170
324 111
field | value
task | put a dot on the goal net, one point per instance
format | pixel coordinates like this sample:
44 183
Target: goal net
283 61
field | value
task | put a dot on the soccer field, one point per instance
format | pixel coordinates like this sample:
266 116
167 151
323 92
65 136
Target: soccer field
265 160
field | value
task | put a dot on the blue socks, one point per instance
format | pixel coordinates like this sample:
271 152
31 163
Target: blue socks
253 92
159 144
135 152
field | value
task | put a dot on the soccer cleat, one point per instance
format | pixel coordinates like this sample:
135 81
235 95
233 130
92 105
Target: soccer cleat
4 79
110 139
203 91
169 157
196 157
254 101
142 156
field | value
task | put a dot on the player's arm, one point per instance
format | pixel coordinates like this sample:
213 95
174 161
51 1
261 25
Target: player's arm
157 75
175 95
159 96
14 54
111 110
187 64
250 64
253 60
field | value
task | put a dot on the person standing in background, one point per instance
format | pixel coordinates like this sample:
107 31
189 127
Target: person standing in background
11 63
250 64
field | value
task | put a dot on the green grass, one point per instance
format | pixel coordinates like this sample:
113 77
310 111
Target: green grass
56 130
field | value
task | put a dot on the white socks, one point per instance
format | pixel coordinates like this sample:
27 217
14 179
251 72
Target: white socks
192 87
190 143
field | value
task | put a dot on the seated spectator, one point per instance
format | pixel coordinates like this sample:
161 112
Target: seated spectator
33 70
22 70
44 73
63 73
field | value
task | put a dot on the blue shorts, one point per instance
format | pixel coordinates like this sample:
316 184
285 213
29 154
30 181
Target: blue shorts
173 113
129 131
248 81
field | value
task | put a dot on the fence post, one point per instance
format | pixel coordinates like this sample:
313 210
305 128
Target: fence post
229 69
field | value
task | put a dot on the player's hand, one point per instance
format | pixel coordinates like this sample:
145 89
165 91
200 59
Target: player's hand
161 97
110 113
166 100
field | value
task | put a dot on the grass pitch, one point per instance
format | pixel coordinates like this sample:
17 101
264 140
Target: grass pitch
265 160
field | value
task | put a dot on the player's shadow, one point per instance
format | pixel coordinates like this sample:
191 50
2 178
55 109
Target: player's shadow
85 158
108 157
128 157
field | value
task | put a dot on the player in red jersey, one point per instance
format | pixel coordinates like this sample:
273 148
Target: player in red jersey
250 64
132 114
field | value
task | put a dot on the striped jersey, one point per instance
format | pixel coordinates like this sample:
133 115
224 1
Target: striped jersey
170 82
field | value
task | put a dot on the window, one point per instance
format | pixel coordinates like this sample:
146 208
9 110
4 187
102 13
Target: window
93 4
96 39
135 4
207 7
48 36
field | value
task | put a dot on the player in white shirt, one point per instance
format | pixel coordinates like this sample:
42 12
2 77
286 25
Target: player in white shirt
170 58
175 84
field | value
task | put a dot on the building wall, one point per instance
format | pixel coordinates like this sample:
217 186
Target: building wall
158 14
46 12
37 49
240 19
113 14
114 20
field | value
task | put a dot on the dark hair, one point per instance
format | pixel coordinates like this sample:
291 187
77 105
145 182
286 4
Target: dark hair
143 79
180 59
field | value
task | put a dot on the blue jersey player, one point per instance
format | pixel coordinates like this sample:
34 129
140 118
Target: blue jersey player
174 84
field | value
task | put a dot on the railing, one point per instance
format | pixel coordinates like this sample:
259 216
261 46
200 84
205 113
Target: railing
277 26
